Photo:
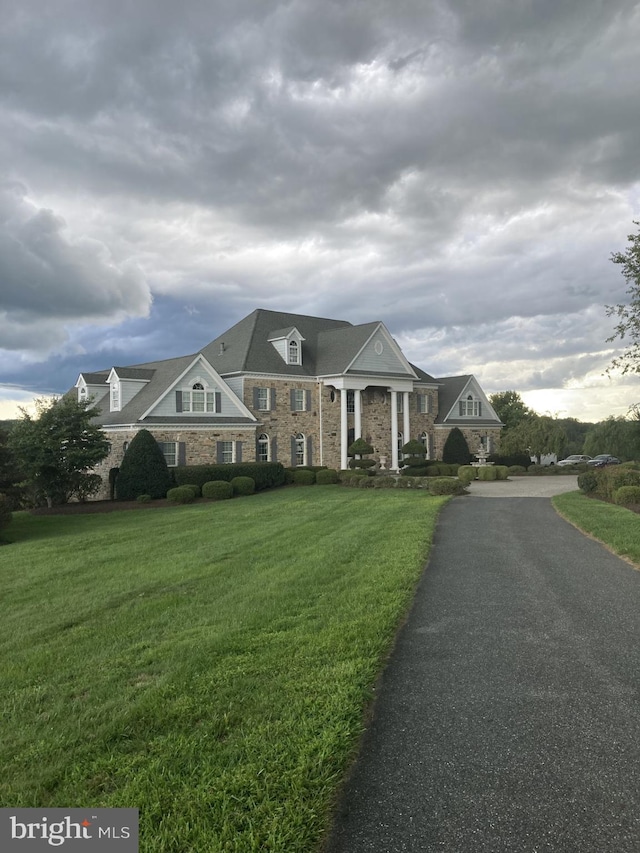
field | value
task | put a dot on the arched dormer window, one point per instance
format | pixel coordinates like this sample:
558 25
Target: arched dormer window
470 408
198 398
294 352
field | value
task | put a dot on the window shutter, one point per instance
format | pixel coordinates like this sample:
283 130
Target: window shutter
218 405
255 398
274 450
178 401
182 453
219 457
292 400
238 451
293 451
461 408
307 401
272 399
257 449
479 409
309 452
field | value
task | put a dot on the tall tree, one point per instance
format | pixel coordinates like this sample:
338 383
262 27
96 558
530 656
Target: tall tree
618 436
537 436
510 408
628 314
456 450
57 450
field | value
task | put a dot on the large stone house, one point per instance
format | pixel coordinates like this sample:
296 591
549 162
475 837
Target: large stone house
287 388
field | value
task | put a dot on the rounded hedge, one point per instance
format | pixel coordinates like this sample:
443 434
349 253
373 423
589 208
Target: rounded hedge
487 472
195 488
627 495
588 482
181 495
328 477
445 486
143 499
243 485
466 473
304 478
217 490
516 470
502 472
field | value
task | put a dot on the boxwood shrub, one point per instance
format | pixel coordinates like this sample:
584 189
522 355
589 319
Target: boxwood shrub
502 472
446 486
515 470
302 477
181 495
243 485
327 477
466 473
588 482
627 495
143 499
217 490
266 475
487 472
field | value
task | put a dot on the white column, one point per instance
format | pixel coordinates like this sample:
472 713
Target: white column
394 431
357 410
406 429
344 429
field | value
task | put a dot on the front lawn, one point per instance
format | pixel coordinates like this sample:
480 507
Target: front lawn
618 528
207 664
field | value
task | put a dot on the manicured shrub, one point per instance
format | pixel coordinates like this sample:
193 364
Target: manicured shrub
328 477
384 483
456 450
304 478
466 473
446 486
217 490
415 471
588 482
502 472
487 472
266 475
243 485
611 479
515 470
362 463
195 488
143 471
143 499
181 495
627 495
364 483
359 447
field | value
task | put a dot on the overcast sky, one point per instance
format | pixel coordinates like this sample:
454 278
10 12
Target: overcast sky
460 169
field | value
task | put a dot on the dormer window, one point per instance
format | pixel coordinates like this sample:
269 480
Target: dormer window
288 343
470 408
82 393
294 352
198 399
115 396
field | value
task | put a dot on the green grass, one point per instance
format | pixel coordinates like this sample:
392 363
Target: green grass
618 528
208 664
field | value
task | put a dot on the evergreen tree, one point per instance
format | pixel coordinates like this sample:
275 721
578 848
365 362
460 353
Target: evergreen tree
143 470
456 450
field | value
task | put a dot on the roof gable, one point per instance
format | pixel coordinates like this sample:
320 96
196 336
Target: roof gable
455 389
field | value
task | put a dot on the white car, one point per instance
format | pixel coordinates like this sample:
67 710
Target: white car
576 459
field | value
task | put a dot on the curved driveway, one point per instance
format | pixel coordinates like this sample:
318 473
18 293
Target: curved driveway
508 718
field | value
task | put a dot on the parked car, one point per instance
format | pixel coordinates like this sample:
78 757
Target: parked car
575 459
603 459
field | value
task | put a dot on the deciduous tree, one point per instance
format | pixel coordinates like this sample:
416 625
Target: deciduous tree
628 313
57 449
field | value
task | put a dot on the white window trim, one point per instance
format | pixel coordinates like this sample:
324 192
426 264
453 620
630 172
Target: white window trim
171 457
264 440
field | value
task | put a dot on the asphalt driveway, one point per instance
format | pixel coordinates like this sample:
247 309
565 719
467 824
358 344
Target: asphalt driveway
508 717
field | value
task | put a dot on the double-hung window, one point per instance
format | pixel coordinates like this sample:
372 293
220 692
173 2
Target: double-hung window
226 452
263 448
262 399
298 400
170 452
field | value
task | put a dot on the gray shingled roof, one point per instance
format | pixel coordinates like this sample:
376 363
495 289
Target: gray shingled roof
247 348
451 387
